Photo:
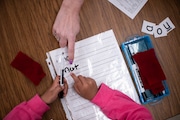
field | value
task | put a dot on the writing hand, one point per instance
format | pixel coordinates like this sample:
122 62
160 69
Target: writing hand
52 93
85 86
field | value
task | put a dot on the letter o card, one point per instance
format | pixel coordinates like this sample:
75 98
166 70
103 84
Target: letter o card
148 27
159 31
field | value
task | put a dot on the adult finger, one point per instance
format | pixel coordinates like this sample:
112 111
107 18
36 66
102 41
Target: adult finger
54 32
56 35
71 45
63 42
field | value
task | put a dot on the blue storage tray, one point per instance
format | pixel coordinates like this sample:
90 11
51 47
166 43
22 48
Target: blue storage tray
133 46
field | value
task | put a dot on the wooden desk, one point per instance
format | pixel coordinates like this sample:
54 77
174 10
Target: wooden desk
25 25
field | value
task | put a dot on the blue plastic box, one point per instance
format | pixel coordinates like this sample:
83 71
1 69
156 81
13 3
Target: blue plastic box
133 46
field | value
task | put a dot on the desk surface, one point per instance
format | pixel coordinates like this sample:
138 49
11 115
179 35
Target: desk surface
26 26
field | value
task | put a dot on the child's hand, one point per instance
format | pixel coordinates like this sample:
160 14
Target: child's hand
52 93
84 86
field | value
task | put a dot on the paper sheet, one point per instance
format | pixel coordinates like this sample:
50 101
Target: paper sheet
129 7
100 58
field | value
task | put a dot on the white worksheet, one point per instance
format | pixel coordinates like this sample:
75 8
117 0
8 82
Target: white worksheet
129 7
100 58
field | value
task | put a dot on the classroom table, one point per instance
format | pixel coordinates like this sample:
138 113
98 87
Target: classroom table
26 25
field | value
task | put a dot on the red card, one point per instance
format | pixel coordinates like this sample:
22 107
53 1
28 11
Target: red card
30 68
150 71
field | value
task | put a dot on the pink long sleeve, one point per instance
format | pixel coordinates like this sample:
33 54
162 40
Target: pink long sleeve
118 106
30 110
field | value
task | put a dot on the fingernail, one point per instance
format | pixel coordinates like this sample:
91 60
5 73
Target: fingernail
70 61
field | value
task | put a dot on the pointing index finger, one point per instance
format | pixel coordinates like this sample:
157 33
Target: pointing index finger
71 45
74 77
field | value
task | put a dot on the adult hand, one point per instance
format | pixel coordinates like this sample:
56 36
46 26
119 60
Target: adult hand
86 87
67 25
52 93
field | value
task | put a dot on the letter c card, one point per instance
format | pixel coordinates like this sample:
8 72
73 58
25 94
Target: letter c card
148 27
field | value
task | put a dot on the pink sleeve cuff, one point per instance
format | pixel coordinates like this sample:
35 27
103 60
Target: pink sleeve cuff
99 99
38 105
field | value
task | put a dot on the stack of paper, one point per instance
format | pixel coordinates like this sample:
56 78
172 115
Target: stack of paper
130 7
100 58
